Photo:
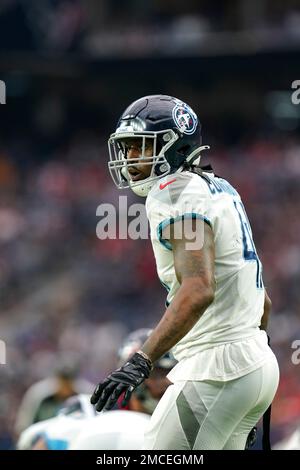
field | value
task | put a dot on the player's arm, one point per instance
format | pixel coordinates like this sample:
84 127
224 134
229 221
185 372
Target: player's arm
267 311
195 273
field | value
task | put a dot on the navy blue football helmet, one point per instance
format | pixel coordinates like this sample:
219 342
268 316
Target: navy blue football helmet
175 132
144 393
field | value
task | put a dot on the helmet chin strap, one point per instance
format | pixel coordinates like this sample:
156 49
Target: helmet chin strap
143 189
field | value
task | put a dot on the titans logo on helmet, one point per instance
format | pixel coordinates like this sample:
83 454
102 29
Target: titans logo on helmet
184 118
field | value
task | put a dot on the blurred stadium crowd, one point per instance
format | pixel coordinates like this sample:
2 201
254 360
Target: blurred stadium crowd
63 292
114 26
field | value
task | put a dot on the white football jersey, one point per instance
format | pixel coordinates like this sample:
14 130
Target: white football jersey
57 433
235 314
113 430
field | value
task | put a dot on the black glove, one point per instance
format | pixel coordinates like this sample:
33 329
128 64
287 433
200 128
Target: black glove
125 379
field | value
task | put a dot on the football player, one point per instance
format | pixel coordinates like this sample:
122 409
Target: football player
217 307
56 433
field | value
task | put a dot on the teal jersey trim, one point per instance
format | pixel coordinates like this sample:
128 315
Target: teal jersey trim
172 220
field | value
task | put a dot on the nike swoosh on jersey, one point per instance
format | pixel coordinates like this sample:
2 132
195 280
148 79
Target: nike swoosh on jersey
163 185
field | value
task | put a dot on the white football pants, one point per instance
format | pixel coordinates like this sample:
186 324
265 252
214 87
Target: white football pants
200 415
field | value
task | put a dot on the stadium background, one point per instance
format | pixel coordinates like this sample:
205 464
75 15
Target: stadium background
71 67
